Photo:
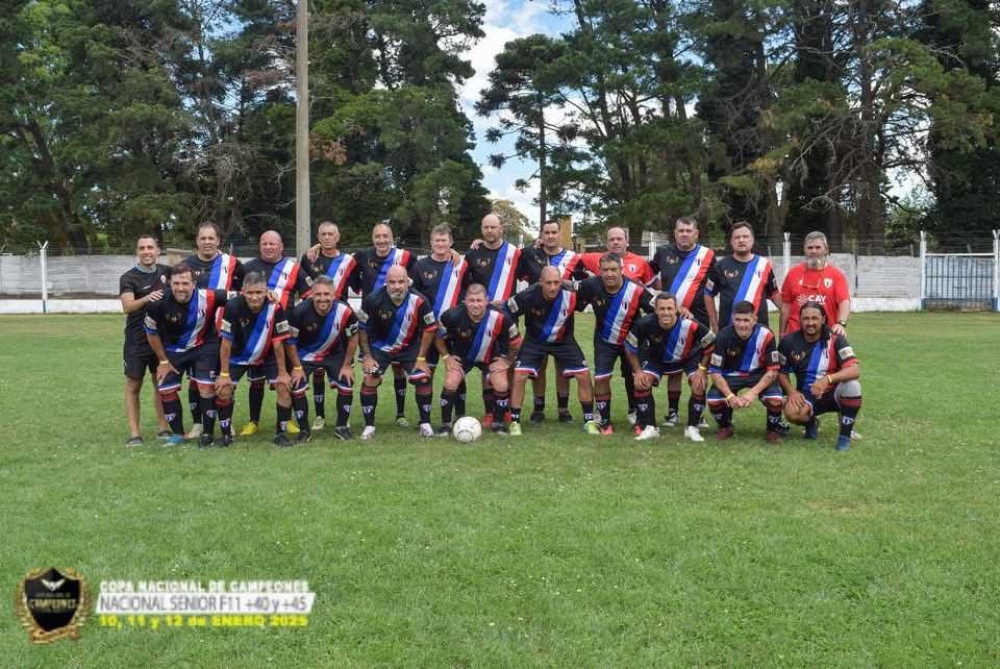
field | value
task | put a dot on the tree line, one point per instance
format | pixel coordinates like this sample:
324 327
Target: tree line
118 117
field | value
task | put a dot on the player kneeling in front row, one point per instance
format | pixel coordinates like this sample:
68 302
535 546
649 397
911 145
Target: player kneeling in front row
826 375
476 335
548 313
745 359
662 344
253 330
396 325
324 337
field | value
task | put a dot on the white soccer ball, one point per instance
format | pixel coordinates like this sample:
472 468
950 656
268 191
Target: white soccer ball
467 429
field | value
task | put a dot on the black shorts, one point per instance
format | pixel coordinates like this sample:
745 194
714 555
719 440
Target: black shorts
404 359
738 383
605 357
331 364
568 355
265 371
137 357
657 368
200 364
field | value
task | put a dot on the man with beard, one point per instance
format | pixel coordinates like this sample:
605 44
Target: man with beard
476 335
548 311
666 343
617 302
687 270
745 359
815 281
323 335
396 324
253 330
826 374
180 329
285 277
140 287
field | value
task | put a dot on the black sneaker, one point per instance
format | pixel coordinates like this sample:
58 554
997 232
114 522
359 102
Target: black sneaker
443 431
225 441
537 416
783 428
305 436
565 417
281 439
206 441
134 441
342 432
500 428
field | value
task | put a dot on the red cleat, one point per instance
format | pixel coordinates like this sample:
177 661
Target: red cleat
724 433
487 421
772 437
607 430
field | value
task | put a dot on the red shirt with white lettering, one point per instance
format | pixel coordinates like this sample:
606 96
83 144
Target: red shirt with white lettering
828 286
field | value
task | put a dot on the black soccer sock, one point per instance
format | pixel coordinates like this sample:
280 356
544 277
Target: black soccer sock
369 402
588 411
284 415
256 400
500 407
849 409
300 405
172 411
604 408
722 413
515 414
344 400
225 409
488 400
630 392
460 399
194 402
562 402
696 406
773 419
448 398
539 402
399 385
645 407
319 392
674 400
425 400
208 414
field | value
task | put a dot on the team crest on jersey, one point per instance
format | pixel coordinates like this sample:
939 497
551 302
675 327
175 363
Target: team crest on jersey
537 313
599 303
384 315
828 283
311 327
632 268
731 352
797 356
465 334
672 260
430 275
173 318
733 273
483 262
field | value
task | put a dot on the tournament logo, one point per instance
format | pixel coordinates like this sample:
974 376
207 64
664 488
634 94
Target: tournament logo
52 604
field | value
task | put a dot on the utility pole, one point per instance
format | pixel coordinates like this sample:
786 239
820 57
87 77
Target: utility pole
303 232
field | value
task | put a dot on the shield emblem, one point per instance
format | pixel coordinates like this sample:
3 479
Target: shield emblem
52 604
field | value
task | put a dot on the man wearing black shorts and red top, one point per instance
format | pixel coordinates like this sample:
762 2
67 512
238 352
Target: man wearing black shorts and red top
285 277
548 311
745 359
667 343
324 335
181 331
139 287
687 270
216 271
617 302
253 330
826 375
370 275
325 259
396 325
476 335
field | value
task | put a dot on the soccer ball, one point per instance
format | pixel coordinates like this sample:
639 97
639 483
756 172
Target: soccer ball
467 429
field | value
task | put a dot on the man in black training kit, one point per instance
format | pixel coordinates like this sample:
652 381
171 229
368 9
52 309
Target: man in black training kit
826 374
253 330
324 335
745 359
139 287
663 344
397 324
181 331
477 335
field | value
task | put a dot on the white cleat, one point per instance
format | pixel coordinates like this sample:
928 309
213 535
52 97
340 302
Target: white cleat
648 432
368 433
319 423
426 430
691 432
195 433
632 418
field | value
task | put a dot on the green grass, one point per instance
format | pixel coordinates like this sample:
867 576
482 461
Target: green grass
557 550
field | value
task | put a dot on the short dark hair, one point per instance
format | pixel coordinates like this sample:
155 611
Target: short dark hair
147 235
743 307
740 224
476 288
441 229
686 220
321 280
210 224
611 256
181 268
552 221
664 295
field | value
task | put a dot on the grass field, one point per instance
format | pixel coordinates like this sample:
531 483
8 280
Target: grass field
555 550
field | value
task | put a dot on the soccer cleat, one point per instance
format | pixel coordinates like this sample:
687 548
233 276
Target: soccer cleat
163 435
195 432
537 416
174 440
608 430
206 441
134 441
319 423
565 417
305 436
648 432
281 439
343 432
368 433
500 429
783 429
702 424
636 430
772 436
843 443
486 421
225 441
671 419
401 421
724 433
812 430
855 435
444 431
426 430
691 432
514 429
291 428
632 417
250 429
591 427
